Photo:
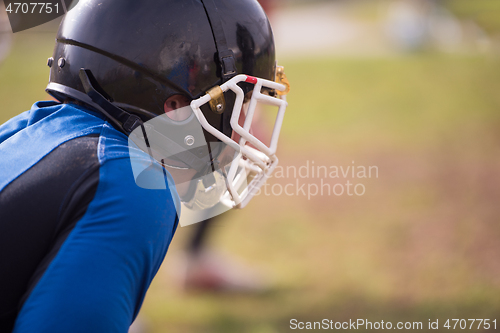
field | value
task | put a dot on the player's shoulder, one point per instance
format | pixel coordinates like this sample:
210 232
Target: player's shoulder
130 170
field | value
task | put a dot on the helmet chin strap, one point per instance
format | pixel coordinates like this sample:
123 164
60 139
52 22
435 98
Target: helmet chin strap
121 118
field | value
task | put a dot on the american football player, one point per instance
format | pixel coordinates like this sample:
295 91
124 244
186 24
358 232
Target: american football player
155 102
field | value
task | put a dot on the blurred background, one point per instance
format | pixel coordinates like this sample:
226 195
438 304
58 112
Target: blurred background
411 87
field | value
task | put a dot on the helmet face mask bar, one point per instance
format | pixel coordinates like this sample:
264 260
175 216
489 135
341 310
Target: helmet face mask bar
258 162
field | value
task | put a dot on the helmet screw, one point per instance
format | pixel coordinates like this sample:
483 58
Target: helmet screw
61 62
50 61
220 107
189 140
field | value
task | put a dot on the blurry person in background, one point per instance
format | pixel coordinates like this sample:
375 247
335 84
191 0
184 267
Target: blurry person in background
413 25
407 24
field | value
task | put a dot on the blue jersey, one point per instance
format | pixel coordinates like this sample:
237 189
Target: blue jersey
80 241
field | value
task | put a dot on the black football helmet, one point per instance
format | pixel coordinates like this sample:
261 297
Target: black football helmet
125 58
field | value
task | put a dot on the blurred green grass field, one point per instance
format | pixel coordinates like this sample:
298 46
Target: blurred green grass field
422 243
486 13
24 74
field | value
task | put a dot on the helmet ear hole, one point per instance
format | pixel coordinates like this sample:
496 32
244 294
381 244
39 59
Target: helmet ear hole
177 108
